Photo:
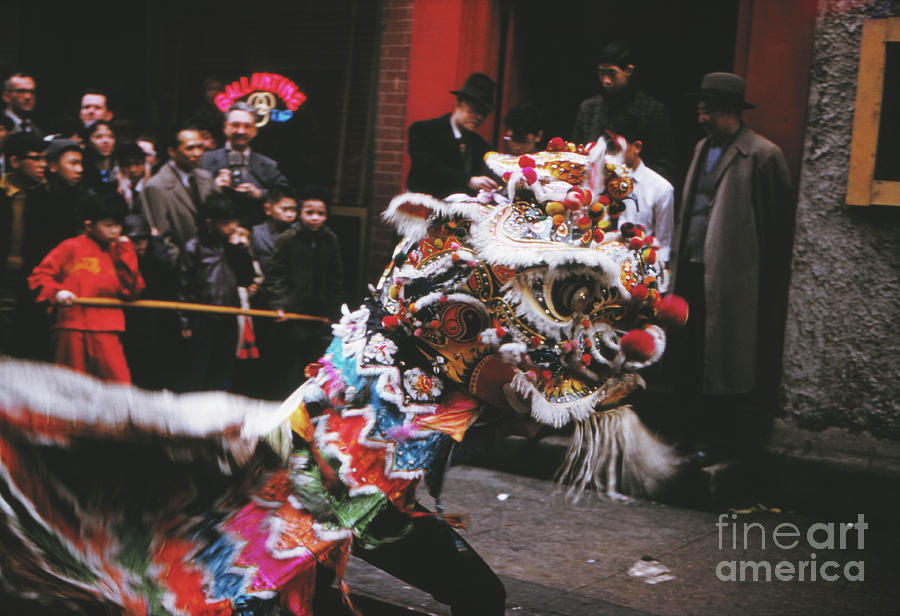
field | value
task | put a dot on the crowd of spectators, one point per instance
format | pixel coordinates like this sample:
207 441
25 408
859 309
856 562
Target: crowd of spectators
215 222
89 211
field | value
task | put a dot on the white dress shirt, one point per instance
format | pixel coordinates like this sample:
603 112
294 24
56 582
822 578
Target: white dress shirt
652 204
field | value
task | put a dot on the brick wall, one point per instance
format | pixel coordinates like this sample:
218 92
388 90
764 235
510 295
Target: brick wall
390 127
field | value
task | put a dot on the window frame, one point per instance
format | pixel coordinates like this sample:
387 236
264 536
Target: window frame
862 187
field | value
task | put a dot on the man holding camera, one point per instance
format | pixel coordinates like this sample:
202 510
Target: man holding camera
238 169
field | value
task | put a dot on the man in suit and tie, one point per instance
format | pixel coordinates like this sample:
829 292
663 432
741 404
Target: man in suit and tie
20 99
236 166
447 154
171 198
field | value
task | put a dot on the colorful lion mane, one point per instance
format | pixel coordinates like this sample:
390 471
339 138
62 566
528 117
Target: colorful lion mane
533 301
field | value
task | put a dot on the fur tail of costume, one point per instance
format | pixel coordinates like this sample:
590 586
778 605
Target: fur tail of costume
616 444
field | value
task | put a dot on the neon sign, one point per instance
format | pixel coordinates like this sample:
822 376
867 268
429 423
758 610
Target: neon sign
262 89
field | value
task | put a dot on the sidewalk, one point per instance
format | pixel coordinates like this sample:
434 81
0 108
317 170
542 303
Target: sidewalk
562 559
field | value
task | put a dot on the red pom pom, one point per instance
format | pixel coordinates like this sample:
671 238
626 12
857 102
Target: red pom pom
637 345
640 292
506 176
673 310
530 174
556 144
536 340
586 359
526 161
635 243
390 322
598 235
435 324
575 199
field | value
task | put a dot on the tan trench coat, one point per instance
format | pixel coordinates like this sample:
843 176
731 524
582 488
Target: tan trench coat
746 259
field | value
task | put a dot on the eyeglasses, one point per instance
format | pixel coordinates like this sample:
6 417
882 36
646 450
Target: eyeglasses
22 90
35 157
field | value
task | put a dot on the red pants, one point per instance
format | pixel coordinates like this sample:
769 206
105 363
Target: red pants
96 353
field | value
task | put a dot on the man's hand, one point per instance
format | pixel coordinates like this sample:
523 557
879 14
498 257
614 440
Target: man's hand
65 298
482 182
186 333
251 189
281 318
252 289
222 179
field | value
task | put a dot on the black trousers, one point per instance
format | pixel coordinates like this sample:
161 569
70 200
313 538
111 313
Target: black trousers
735 424
211 354
434 558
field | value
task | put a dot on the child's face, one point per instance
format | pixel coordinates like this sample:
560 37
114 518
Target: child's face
104 231
140 245
134 170
283 212
313 214
103 140
224 228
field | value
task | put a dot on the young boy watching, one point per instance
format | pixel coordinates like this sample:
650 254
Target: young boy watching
305 275
652 200
211 268
281 212
98 263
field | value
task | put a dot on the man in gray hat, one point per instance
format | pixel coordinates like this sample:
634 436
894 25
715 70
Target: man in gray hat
447 154
732 258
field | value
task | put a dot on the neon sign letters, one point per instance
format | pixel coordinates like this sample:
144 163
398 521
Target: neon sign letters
262 89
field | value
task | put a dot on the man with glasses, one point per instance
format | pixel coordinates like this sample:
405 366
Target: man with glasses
19 96
620 102
447 154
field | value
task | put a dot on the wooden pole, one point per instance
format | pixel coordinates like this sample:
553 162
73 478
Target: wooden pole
108 302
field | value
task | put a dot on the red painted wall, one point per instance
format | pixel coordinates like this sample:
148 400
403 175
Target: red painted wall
773 53
450 40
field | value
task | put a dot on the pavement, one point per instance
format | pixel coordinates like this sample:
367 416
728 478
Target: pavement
598 557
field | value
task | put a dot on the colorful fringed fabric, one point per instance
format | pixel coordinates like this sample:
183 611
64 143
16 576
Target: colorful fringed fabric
199 504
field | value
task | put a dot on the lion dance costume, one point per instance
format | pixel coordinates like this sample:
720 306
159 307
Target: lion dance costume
532 301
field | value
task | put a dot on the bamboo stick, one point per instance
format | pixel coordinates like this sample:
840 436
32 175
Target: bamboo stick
108 302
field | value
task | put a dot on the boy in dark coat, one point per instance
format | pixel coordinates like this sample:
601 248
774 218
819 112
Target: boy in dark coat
211 268
305 275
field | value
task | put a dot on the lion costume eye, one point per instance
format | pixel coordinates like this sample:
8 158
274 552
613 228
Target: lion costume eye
571 296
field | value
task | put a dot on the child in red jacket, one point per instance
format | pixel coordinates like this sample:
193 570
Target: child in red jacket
97 263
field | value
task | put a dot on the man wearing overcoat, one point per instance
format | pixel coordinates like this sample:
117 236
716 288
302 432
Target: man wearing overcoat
732 258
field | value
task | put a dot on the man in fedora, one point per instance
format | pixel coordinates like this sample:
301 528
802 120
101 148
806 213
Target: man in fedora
732 260
447 154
